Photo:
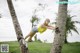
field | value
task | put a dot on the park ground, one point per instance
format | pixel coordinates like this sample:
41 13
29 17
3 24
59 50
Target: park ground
38 47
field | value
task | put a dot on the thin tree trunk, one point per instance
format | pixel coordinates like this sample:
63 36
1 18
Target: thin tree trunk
35 37
60 31
32 25
23 44
65 41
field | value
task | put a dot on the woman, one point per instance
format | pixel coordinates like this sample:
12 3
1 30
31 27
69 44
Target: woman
40 29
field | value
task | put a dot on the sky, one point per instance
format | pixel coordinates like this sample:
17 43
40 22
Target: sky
24 10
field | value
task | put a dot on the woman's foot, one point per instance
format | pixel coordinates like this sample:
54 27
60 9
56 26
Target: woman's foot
30 40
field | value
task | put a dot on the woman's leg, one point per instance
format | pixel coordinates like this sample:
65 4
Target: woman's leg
31 35
26 37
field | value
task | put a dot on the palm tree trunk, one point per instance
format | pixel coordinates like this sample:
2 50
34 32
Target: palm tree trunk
35 37
0 16
23 45
65 41
32 25
60 31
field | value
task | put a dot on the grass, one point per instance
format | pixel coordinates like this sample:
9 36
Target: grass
71 48
37 47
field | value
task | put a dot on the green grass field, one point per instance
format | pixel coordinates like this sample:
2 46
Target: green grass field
37 47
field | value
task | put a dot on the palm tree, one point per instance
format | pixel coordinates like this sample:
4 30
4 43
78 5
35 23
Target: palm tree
34 19
23 45
61 26
70 25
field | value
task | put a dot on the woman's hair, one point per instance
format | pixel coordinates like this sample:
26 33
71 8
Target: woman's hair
47 20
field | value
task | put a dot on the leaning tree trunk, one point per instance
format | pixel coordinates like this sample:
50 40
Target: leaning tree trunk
23 44
60 31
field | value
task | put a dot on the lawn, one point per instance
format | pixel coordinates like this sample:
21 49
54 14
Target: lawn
37 47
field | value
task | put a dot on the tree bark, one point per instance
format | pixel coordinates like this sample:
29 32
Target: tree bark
23 44
60 31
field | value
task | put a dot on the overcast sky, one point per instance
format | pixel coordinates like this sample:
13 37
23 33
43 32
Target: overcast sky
24 10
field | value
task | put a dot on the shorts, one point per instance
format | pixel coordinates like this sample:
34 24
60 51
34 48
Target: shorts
34 29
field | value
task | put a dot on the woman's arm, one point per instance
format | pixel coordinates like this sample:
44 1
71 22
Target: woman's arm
51 27
48 27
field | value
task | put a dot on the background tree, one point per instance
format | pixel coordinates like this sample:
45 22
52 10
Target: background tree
34 19
70 25
61 26
23 45
0 16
